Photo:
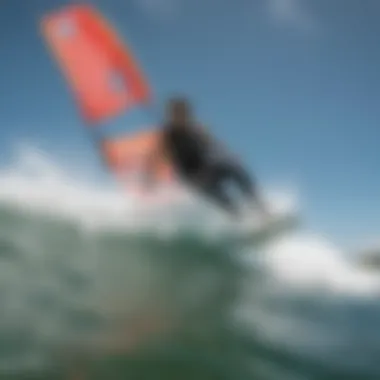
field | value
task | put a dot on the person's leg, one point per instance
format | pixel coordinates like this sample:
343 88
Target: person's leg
228 171
210 185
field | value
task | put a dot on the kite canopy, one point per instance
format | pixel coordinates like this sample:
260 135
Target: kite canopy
105 81
100 70
129 154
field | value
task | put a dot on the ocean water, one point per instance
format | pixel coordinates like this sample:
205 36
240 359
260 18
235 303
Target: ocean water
94 286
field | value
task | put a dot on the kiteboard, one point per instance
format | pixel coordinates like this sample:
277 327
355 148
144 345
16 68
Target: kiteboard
265 229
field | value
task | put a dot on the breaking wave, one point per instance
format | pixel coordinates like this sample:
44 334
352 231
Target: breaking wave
92 281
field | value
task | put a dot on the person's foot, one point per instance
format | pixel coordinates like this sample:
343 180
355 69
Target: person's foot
257 205
264 211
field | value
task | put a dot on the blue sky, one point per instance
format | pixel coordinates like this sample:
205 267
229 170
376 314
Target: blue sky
292 85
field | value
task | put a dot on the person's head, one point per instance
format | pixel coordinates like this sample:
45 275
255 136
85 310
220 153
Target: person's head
178 111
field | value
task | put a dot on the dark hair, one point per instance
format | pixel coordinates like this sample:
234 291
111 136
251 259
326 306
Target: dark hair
179 103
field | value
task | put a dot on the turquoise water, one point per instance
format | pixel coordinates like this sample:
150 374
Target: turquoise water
79 299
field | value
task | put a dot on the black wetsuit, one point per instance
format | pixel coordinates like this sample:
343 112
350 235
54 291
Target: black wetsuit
190 155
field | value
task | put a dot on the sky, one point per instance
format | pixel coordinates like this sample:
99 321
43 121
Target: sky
292 86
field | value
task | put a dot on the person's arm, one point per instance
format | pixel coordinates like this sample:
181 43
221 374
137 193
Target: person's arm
205 134
215 144
224 151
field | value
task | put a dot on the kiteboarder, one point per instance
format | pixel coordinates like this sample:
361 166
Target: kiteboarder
201 161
